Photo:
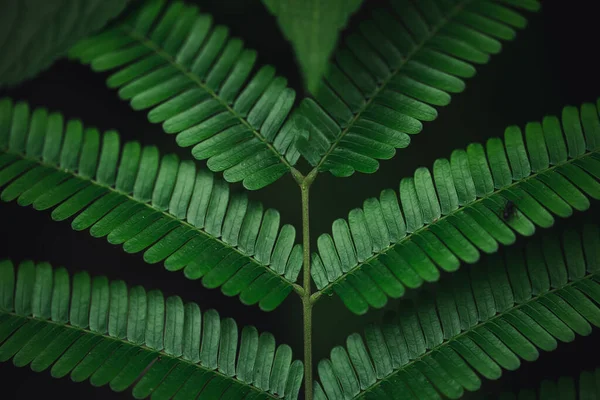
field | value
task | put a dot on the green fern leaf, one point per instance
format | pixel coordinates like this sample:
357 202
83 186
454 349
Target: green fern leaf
109 334
33 34
195 80
565 387
177 214
477 324
389 78
448 218
312 27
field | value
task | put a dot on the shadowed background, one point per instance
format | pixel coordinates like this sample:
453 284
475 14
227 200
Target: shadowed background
551 64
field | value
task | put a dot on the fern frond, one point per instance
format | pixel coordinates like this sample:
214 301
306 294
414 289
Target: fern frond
133 196
477 324
195 80
448 219
392 74
109 334
587 388
34 35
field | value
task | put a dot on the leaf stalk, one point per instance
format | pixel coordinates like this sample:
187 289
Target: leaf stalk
307 304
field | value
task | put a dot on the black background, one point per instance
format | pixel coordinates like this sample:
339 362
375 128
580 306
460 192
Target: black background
551 64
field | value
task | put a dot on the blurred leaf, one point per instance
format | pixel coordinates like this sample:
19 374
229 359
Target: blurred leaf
34 33
312 26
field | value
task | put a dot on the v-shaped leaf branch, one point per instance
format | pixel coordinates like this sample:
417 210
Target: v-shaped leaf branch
466 208
476 324
390 76
176 214
195 80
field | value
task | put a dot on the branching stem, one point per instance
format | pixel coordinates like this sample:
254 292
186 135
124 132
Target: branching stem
304 183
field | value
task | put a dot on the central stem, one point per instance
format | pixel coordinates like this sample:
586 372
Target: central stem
307 305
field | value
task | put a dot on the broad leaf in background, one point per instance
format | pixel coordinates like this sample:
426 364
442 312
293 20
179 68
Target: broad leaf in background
34 33
312 26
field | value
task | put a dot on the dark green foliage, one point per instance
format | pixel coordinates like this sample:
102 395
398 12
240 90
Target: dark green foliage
446 218
385 80
197 82
586 387
34 33
94 329
176 213
390 75
476 324
312 27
